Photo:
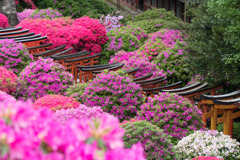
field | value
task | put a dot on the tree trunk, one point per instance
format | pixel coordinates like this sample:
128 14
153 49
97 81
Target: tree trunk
9 9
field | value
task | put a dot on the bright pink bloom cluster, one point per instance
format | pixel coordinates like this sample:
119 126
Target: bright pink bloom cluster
3 21
45 27
173 113
116 94
56 102
4 97
134 60
7 80
44 77
206 158
24 14
130 121
14 55
82 112
30 134
82 34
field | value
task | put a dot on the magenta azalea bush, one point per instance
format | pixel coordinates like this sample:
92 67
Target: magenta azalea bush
14 55
48 13
3 21
116 94
24 14
157 144
135 60
4 97
80 113
176 115
30 134
56 102
125 38
43 77
8 80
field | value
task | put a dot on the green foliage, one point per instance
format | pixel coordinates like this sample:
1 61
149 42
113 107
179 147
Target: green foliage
155 142
76 9
236 129
154 25
156 14
213 42
76 91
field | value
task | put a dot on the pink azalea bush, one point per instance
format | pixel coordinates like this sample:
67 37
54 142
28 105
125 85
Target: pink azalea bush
134 60
3 21
206 158
56 102
44 77
4 97
14 55
45 27
48 13
30 134
125 38
82 112
24 14
176 115
157 144
82 34
116 94
8 80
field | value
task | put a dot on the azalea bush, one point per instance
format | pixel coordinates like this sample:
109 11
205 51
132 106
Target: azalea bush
3 21
80 113
176 115
76 91
48 13
116 94
133 60
56 102
82 34
43 77
24 14
4 97
8 80
156 143
126 38
27 133
207 143
14 55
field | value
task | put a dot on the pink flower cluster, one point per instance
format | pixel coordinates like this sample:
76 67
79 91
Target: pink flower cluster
173 113
44 77
56 102
111 22
82 34
3 21
134 60
24 14
14 55
82 112
30 134
7 80
206 158
4 97
116 94
48 13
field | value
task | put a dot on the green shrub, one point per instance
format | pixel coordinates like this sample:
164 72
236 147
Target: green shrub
126 38
76 8
156 143
154 25
76 91
156 14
